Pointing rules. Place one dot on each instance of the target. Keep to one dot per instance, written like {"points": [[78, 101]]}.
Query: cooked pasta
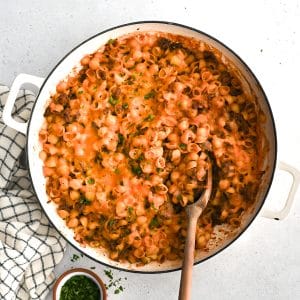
{"points": [[126, 140]]}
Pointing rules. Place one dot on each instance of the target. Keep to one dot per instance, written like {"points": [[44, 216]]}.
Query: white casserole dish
{"points": [[64, 67]]}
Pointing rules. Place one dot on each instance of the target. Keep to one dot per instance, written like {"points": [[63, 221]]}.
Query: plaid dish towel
{"points": [[29, 247]]}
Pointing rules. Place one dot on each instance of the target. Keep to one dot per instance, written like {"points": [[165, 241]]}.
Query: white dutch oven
{"points": [[64, 67]]}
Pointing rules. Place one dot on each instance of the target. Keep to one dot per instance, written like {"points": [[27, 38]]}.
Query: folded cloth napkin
{"points": [[29, 246]]}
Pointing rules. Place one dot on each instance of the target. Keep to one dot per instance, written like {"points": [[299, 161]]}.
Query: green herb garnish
{"points": [[154, 223], [113, 101], [114, 282], [118, 290], [125, 232], [111, 41], [131, 215], [80, 92], [117, 171], [183, 146], [74, 258], [125, 105], [179, 197], [121, 139], [111, 223], [152, 206], [109, 274], [84, 201], [91, 181], [80, 287], [136, 169], [149, 118], [140, 158], [149, 95], [130, 82]]}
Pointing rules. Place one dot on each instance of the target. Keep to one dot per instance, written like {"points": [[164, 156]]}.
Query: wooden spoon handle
{"points": [[188, 260]]}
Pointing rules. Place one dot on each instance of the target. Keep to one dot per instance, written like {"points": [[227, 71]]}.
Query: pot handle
{"points": [[279, 215], [12, 96]]}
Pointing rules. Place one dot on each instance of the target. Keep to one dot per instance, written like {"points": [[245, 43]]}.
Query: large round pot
{"points": [[64, 67]]}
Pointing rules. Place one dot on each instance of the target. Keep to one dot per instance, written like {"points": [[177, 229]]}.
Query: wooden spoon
{"points": [[193, 212]]}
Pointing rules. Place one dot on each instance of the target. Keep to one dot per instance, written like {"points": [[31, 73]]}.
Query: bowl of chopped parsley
{"points": [[79, 284]]}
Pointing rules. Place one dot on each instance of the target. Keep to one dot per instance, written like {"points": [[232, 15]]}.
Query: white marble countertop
{"points": [[264, 263]]}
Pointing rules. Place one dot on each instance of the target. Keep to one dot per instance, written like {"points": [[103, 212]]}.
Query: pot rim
{"points": [[251, 219]]}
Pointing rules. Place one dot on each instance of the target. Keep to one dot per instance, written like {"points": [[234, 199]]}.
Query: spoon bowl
{"points": [[194, 211]]}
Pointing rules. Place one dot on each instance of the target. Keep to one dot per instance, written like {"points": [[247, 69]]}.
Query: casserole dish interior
{"points": [[223, 235]]}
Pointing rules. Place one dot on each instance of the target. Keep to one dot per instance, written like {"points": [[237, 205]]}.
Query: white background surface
{"points": [[264, 263]]}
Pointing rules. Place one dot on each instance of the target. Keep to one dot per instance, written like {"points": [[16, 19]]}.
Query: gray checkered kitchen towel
{"points": [[29, 247]]}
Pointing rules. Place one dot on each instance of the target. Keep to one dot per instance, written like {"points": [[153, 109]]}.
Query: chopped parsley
{"points": [[183, 146], [113, 101], [84, 201], [125, 232], [131, 216], [80, 287], [115, 283], [117, 171], [80, 92], [136, 169], [125, 105], [150, 117], [75, 257], [140, 158], [153, 207], [150, 95], [91, 181], [118, 290], [109, 274], [111, 223], [111, 41], [179, 197], [154, 223], [121, 139], [130, 82]]}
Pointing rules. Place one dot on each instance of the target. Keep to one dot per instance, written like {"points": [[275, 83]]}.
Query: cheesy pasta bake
{"points": [[126, 141]]}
